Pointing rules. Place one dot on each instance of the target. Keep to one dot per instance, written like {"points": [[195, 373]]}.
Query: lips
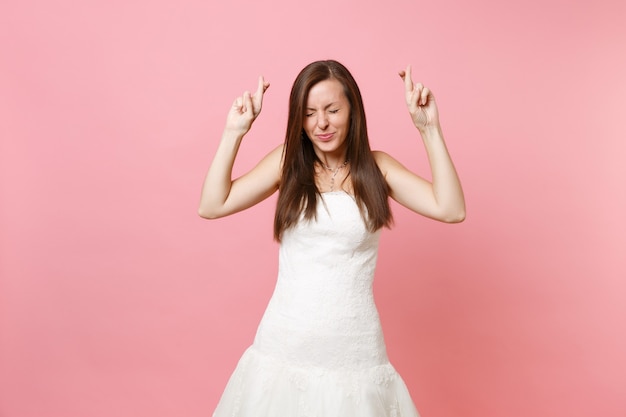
{"points": [[325, 137]]}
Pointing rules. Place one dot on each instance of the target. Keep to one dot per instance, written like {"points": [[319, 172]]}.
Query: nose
{"points": [[322, 121]]}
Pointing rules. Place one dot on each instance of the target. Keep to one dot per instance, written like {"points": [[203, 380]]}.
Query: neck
{"points": [[333, 162], [337, 167]]}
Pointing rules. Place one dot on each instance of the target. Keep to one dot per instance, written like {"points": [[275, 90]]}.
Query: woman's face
{"points": [[327, 118]]}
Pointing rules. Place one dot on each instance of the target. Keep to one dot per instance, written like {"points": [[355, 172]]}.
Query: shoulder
{"points": [[384, 161], [380, 156], [269, 167], [274, 159], [277, 153]]}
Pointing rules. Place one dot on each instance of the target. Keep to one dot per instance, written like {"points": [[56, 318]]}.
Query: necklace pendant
{"points": [[334, 173]]}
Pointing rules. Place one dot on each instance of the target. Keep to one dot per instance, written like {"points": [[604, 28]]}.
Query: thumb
{"points": [[247, 102]]}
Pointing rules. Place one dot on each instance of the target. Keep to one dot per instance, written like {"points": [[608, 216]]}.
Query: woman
{"points": [[319, 349]]}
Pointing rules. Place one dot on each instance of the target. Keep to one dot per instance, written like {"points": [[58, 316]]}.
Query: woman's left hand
{"points": [[420, 102]]}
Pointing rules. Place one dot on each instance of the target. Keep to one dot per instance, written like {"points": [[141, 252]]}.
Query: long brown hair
{"points": [[298, 192]]}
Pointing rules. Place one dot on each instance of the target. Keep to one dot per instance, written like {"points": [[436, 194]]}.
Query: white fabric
{"points": [[319, 349]]}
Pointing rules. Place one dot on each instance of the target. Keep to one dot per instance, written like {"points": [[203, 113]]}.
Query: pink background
{"points": [[116, 299]]}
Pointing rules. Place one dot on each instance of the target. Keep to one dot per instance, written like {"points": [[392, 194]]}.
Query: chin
{"points": [[328, 147]]}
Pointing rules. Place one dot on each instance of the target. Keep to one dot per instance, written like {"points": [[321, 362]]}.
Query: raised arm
{"points": [[442, 199], [221, 195]]}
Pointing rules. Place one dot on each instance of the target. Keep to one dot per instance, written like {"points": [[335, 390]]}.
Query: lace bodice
{"points": [[322, 312]]}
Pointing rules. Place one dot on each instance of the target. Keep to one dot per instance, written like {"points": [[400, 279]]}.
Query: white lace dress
{"points": [[319, 349]]}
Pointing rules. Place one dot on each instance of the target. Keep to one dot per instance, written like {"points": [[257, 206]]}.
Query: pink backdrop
{"points": [[116, 299]]}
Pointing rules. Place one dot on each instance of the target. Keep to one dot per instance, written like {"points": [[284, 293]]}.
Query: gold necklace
{"points": [[334, 173]]}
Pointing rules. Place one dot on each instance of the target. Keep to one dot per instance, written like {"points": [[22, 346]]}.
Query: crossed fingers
{"points": [[252, 102], [416, 94]]}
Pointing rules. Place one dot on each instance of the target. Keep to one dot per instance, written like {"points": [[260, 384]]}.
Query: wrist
{"points": [[430, 131], [233, 134]]}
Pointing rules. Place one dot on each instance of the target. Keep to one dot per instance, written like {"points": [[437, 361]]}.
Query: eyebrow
{"points": [[329, 105]]}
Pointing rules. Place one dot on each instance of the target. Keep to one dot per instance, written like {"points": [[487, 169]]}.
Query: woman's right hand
{"points": [[245, 109]]}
